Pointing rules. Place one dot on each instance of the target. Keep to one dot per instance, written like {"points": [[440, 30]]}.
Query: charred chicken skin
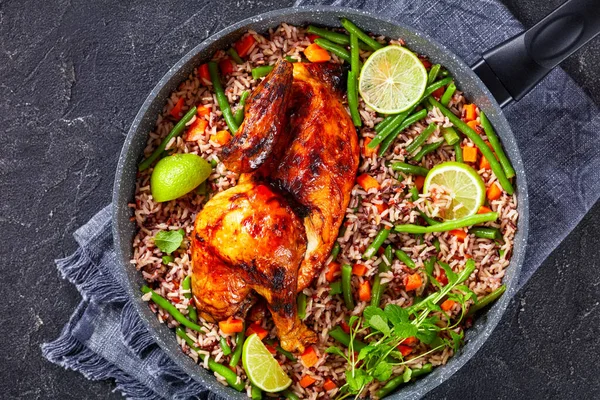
{"points": [[271, 234]]}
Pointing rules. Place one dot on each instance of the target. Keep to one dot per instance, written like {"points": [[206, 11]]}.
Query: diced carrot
{"points": [[413, 282], [345, 327], [221, 137], [442, 278], [315, 53], [226, 66], [271, 349], [231, 325], [359, 269], [419, 182], [494, 192], [474, 125], [405, 350], [448, 304], [368, 152], [381, 208], [367, 182], [470, 112], [329, 385], [459, 234], [333, 270], [203, 110], [204, 74], [484, 163], [469, 154], [426, 62], [312, 37], [309, 357], [176, 110], [244, 45], [306, 381], [196, 130], [410, 341], [233, 369], [484, 210], [364, 291], [439, 92], [468, 256], [259, 330]]}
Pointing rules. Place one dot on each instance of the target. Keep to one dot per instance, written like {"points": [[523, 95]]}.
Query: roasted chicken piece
{"points": [[246, 239], [272, 233]]}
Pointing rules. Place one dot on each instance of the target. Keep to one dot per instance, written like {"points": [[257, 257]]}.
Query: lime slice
{"points": [[464, 184], [392, 80], [176, 175], [262, 369]]}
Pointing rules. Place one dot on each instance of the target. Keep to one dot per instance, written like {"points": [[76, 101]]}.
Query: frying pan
{"points": [[504, 74]]}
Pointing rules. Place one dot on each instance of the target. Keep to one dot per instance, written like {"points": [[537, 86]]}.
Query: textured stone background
{"points": [[73, 75]]}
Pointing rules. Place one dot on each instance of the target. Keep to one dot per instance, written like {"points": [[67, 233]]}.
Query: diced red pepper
{"points": [[244, 45], [204, 74], [226, 66], [312, 37]]}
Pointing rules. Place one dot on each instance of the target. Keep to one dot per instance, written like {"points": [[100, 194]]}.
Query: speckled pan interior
{"points": [[131, 154]]}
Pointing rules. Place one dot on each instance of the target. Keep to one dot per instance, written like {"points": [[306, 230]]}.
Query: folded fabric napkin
{"points": [[556, 126]]}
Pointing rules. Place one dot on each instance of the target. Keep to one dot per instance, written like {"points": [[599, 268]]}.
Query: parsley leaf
{"points": [[370, 311], [396, 314], [380, 324], [335, 350], [404, 330], [383, 371], [169, 241]]}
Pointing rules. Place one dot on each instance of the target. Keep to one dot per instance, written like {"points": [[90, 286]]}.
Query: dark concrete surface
{"points": [[73, 75]]}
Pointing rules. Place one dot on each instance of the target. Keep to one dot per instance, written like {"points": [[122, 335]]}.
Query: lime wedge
{"points": [[176, 175], [392, 80], [464, 184], [262, 369]]}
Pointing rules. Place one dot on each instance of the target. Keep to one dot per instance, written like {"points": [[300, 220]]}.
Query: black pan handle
{"points": [[511, 69]]}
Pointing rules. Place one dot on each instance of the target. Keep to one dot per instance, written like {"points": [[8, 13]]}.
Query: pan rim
{"points": [[415, 390]]}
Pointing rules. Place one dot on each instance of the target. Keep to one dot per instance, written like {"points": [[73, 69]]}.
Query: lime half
{"points": [[392, 80], [176, 175], [262, 369], [464, 184]]}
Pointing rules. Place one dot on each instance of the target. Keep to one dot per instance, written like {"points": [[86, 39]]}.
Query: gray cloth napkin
{"points": [[556, 126]]}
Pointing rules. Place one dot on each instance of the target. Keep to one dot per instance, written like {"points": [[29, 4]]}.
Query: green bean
{"points": [[426, 149], [409, 169], [478, 141], [301, 304], [231, 377], [394, 383], [436, 244], [428, 219], [501, 253], [382, 235], [384, 123], [334, 37], [290, 59], [486, 300], [237, 353], [176, 131], [288, 394], [433, 73], [458, 152], [394, 122], [239, 114], [378, 287], [286, 353], [422, 138], [389, 254], [430, 265], [171, 309], [255, 393], [335, 288], [352, 94], [347, 286], [213, 163], [261, 71], [444, 73], [351, 28], [221, 97], [414, 193], [235, 56], [169, 258], [338, 334], [224, 346], [335, 251], [405, 124], [187, 285], [448, 225], [448, 93], [405, 258], [334, 48], [354, 54], [486, 233], [450, 135], [495, 142]]}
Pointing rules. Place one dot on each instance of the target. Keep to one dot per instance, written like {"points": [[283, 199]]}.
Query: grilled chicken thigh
{"points": [[271, 234]]}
